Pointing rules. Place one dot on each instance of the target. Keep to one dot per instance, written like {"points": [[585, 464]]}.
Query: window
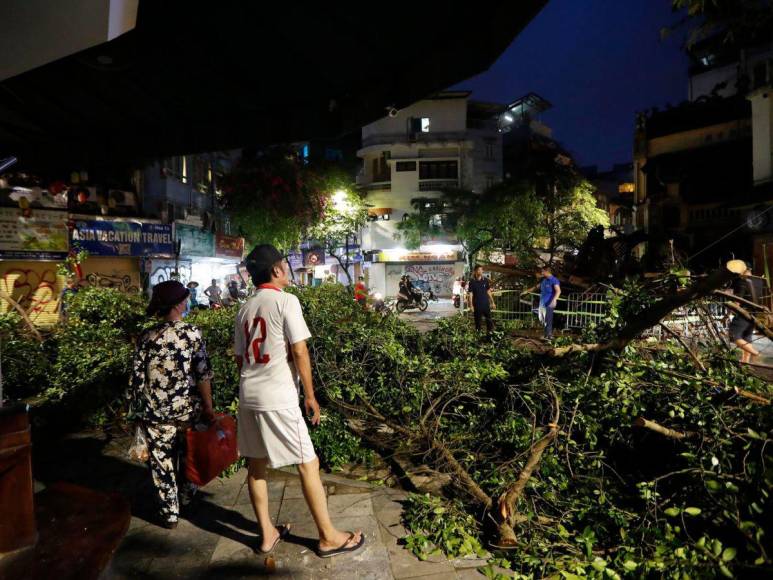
{"points": [[489, 148], [405, 166], [184, 172], [419, 125], [438, 170]]}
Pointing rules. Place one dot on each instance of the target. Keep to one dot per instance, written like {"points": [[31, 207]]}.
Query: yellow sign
{"points": [[409, 256]]}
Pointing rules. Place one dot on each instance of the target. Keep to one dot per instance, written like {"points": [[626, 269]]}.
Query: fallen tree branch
{"points": [[643, 423], [652, 315], [23, 313], [740, 300], [509, 499], [449, 462], [693, 356]]}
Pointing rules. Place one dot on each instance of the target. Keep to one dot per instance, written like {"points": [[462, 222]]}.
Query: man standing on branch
{"points": [[741, 330], [481, 299], [271, 353]]}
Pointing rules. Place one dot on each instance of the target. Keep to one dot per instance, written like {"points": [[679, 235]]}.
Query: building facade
{"points": [[703, 169], [445, 142]]}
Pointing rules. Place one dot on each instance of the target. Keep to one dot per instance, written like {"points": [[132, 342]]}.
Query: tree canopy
{"points": [[548, 209]]}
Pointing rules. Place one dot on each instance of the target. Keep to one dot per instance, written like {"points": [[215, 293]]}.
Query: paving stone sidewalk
{"points": [[217, 540]]}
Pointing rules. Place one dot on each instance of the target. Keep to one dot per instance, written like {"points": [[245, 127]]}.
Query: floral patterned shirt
{"points": [[170, 360]]}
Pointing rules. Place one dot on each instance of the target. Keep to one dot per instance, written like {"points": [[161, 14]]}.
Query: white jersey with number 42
{"points": [[266, 325]]}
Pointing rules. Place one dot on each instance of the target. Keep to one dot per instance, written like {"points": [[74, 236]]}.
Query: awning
{"points": [[205, 76]]}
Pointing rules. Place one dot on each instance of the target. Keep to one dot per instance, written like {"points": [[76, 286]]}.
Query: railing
{"points": [[419, 137], [577, 309], [437, 184]]}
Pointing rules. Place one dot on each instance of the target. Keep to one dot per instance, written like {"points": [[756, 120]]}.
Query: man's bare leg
{"points": [[258, 487], [314, 492], [748, 352]]}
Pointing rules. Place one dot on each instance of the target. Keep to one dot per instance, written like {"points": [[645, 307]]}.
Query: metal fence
{"points": [[576, 310], [579, 310]]}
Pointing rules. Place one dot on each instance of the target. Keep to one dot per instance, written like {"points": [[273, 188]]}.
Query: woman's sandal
{"points": [[284, 531], [342, 549]]}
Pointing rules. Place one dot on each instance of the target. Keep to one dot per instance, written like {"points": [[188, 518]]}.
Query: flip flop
{"points": [[284, 531], [342, 549]]}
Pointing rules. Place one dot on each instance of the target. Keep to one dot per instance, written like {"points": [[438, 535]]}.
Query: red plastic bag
{"points": [[210, 451]]}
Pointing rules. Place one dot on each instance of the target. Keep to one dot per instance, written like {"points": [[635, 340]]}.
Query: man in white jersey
{"points": [[270, 348]]}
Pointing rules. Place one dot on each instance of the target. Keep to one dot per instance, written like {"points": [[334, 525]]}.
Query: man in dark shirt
{"points": [[741, 330], [481, 298]]}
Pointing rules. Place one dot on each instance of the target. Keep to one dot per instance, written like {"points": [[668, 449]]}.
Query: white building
{"points": [[447, 141]]}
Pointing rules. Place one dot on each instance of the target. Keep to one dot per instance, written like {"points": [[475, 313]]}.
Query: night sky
{"points": [[597, 62]]}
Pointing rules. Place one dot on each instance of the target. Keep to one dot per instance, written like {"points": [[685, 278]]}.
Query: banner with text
{"points": [[122, 238], [41, 235]]}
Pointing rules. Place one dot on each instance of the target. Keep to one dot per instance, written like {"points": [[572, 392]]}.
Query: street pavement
{"points": [[428, 320], [218, 540]]}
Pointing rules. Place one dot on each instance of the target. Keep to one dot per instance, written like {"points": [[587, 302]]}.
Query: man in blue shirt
{"points": [[549, 291]]}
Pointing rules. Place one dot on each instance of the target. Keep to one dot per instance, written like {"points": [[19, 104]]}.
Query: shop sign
{"points": [[229, 246], [408, 256], [195, 241], [41, 235], [313, 258], [122, 238]]}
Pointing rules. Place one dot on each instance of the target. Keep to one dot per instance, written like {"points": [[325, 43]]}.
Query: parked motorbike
{"points": [[380, 305], [426, 288], [418, 300]]}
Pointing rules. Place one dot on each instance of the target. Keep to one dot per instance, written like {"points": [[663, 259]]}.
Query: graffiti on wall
{"points": [[164, 270], [119, 273], [122, 282], [439, 276], [36, 287]]}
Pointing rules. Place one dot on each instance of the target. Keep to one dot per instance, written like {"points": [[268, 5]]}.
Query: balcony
{"points": [[429, 137], [377, 186], [437, 184]]}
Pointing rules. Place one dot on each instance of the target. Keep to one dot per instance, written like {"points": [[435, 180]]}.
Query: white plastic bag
{"points": [[139, 448]]}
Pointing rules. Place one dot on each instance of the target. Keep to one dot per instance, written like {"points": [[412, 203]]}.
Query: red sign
{"points": [[229, 246]]}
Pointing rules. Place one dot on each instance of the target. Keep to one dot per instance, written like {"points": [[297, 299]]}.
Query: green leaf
{"points": [[725, 571], [728, 554], [716, 547], [693, 511], [630, 565], [672, 512], [713, 485]]}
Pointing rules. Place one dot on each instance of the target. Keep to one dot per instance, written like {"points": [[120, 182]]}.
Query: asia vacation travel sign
{"points": [[42, 235], [195, 241], [122, 238]]}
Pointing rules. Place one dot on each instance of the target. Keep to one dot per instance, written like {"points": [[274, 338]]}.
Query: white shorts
{"points": [[280, 436]]}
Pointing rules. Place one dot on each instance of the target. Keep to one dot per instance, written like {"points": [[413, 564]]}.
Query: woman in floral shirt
{"points": [[170, 389]]}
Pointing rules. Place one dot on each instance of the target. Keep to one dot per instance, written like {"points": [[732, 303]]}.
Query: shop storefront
{"points": [[438, 268], [118, 250], [33, 244]]}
